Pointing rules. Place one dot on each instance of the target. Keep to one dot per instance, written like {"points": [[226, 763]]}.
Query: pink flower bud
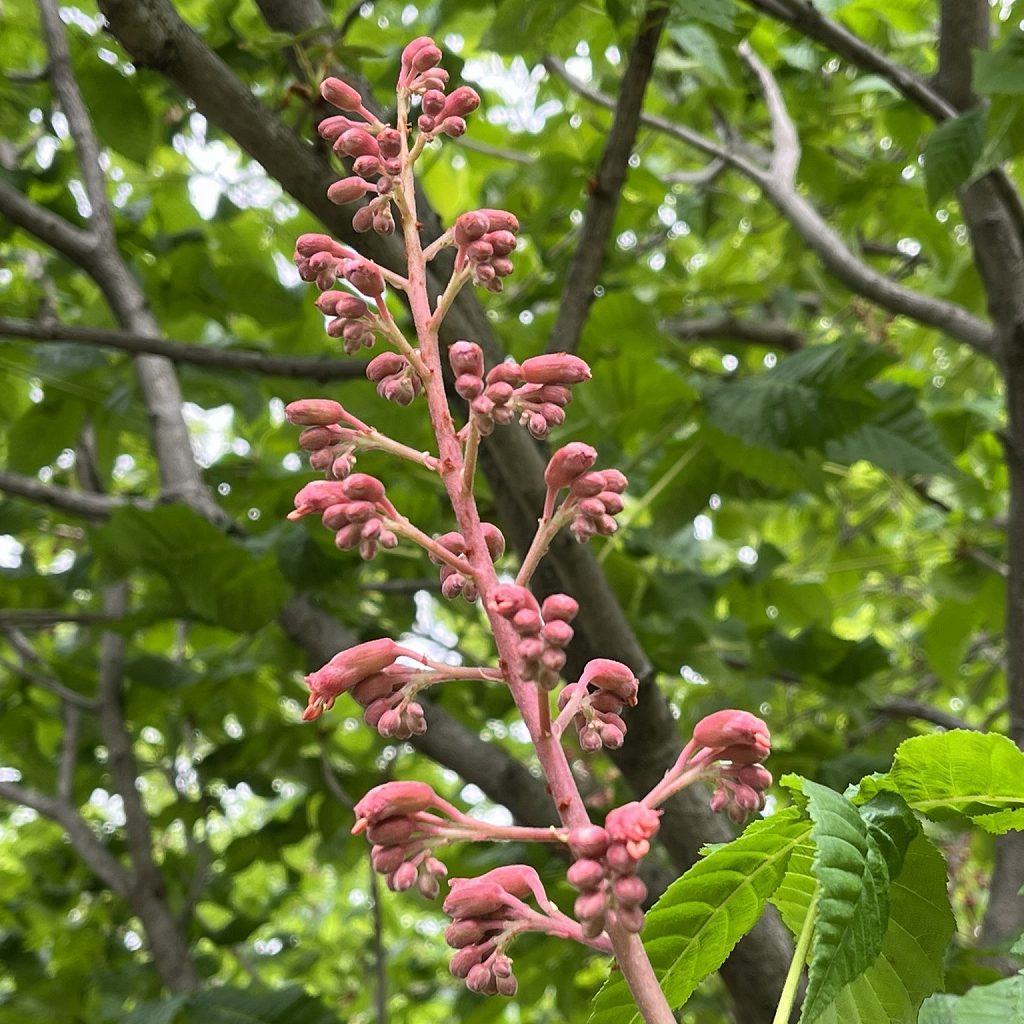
{"points": [[348, 190], [557, 633], [363, 275], [585, 874], [629, 890], [506, 986], [614, 481], [633, 824], [754, 775], [466, 959], [494, 539], [432, 102], [527, 621], [315, 497], [344, 670], [404, 877], [312, 439], [466, 357], [390, 831], [613, 677], [501, 220], [310, 244], [590, 905], [559, 606], [386, 859], [468, 386], [341, 304], [555, 368], [404, 797], [507, 372], [387, 364], [425, 57], [453, 127], [568, 463], [588, 485], [612, 734], [734, 729], [507, 599], [389, 142], [357, 142], [719, 799], [470, 226], [472, 897], [588, 841], [631, 918], [461, 102], [314, 412], [340, 94], [362, 487], [332, 128]]}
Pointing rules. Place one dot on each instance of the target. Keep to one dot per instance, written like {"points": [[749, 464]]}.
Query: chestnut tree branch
{"points": [[606, 186], [772, 332], [45, 331], [820, 237]]}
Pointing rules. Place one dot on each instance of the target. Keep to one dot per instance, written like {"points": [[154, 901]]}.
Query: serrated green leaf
{"points": [[702, 915], [958, 776], [853, 897], [951, 152], [714, 12]]}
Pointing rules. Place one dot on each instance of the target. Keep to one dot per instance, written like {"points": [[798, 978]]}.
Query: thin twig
{"points": [[46, 331]]}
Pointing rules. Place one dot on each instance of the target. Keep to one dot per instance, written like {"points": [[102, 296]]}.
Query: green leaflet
{"points": [[955, 776], [235, 1006], [951, 153], [909, 965], [702, 915], [998, 1003], [852, 873]]}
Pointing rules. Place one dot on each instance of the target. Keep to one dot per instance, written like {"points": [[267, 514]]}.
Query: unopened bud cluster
{"points": [[595, 496], [534, 393], [353, 509], [544, 631], [331, 447], [455, 583], [392, 815], [486, 240], [605, 868], [323, 261], [395, 378], [599, 720], [486, 913], [739, 742]]}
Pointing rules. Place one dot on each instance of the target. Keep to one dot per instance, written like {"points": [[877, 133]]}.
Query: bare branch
{"points": [[82, 503], [45, 681], [69, 754], [96, 857], [696, 179], [605, 187], [69, 96], [806, 18], [829, 246], [184, 352], [61, 235], [772, 332], [785, 158], [43, 618], [901, 707]]}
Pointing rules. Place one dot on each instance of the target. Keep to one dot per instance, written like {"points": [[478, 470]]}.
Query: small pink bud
{"points": [[363, 275], [390, 831], [631, 918], [340, 94], [404, 796], [633, 824], [362, 487], [754, 775], [614, 481], [568, 463], [501, 220], [555, 368], [719, 800], [404, 877], [585, 874], [466, 959], [613, 676], [387, 364], [590, 905], [466, 357], [734, 729], [453, 127], [468, 386], [314, 412], [557, 633], [559, 606], [310, 244], [527, 621], [507, 599], [474, 898], [312, 439], [348, 190], [470, 226], [588, 485], [507, 372], [461, 102], [629, 890], [494, 539], [389, 141], [480, 979], [432, 102], [357, 142], [315, 497], [588, 840], [386, 859]]}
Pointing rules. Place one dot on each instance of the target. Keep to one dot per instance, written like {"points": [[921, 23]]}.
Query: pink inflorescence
{"points": [[735, 743], [544, 631], [396, 821], [486, 240], [536, 392], [604, 871], [353, 508], [487, 913], [453, 582], [604, 688]]}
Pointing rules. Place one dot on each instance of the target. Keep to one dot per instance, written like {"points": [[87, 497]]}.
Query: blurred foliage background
{"points": [[815, 527]]}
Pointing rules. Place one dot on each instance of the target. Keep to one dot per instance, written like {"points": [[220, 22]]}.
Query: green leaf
{"points": [[700, 44], [1001, 71], [998, 1003], [216, 579], [951, 152], [812, 396], [899, 438], [957, 776], [702, 915], [714, 12], [119, 113], [853, 897], [910, 964]]}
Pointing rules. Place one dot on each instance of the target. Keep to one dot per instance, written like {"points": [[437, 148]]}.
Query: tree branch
{"points": [[42, 618], [82, 503], [606, 186], [772, 332], [831, 249], [184, 352], [56, 232], [96, 857]]}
